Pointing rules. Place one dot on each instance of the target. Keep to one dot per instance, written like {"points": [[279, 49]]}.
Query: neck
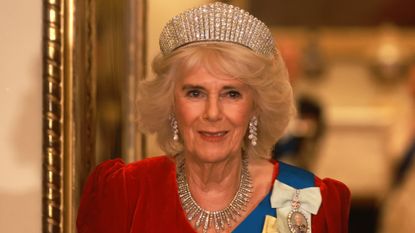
{"points": [[211, 176], [213, 185]]}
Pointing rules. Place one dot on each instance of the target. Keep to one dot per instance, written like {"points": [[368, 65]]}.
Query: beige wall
{"points": [[20, 118], [367, 121]]}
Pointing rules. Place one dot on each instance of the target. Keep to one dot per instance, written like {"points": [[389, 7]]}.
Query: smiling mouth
{"points": [[213, 136]]}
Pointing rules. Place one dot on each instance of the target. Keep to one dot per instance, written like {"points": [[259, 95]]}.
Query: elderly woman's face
{"points": [[213, 113]]}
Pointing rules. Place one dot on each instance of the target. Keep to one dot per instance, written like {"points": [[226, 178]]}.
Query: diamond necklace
{"points": [[219, 218]]}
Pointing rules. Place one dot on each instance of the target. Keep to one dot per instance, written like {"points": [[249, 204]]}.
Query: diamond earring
{"points": [[252, 136], [175, 127]]}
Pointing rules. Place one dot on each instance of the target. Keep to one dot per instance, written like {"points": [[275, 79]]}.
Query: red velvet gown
{"points": [[142, 197]]}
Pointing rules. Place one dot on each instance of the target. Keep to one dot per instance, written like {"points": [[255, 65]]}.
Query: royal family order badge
{"points": [[297, 221], [294, 207]]}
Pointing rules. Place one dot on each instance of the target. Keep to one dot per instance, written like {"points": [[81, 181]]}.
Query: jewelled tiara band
{"points": [[217, 22]]}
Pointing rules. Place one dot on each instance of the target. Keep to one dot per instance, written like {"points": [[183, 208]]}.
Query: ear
{"points": [[255, 111]]}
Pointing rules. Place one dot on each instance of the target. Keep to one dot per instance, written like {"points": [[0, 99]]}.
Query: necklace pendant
{"points": [[297, 221]]}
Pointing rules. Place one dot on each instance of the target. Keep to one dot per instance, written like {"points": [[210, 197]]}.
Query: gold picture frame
{"points": [[73, 33]]}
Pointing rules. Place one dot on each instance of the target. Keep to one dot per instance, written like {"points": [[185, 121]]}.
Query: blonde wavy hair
{"points": [[267, 76]]}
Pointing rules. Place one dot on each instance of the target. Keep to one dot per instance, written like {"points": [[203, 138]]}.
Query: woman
{"points": [[220, 100]]}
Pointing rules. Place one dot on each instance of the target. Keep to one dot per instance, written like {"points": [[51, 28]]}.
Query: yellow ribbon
{"points": [[270, 225]]}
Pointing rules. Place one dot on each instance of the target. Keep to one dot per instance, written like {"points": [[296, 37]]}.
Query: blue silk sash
{"points": [[290, 175]]}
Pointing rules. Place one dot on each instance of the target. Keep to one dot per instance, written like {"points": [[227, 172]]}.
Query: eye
{"points": [[233, 94], [194, 93]]}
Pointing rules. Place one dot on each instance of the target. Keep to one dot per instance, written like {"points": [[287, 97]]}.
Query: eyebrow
{"points": [[190, 86]]}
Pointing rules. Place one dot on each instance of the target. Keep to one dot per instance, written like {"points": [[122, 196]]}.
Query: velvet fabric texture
{"points": [[142, 197]]}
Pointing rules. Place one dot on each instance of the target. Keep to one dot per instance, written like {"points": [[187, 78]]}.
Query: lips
{"points": [[213, 136]]}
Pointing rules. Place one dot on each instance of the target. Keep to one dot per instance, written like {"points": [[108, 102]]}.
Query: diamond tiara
{"points": [[217, 22]]}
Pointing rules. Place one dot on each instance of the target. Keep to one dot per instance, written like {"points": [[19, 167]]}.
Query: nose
{"points": [[213, 111]]}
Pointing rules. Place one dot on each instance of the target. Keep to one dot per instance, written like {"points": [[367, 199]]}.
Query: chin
{"points": [[213, 156]]}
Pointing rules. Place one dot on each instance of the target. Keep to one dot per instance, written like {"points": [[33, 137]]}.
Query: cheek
{"points": [[186, 114], [240, 115], [240, 118]]}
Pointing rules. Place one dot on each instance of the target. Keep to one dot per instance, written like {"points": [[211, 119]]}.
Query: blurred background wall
{"points": [[20, 117]]}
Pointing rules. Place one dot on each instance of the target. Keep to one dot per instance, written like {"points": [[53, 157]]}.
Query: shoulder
{"points": [[294, 176], [335, 206], [332, 186], [117, 169], [336, 197], [333, 192], [116, 177], [111, 191], [333, 214], [158, 163], [301, 178]]}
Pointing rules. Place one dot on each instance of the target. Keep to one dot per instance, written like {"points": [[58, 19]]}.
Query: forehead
{"points": [[201, 76]]}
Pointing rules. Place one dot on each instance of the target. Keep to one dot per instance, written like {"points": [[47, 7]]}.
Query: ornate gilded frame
{"points": [[69, 101]]}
